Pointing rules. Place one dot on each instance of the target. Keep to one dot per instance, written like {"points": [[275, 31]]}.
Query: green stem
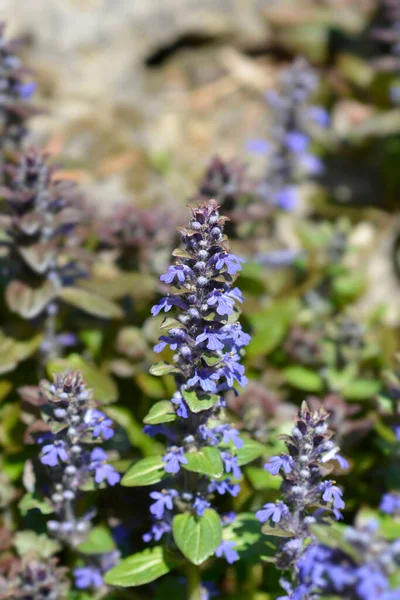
{"points": [[193, 582]]}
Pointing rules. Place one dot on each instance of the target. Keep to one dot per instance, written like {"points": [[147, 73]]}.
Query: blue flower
{"points": [[296, 141], [234, 335], [163, 501], [226, 549], [331, 493], [390, 504], [228, 518], [200, 504], [174, 458], [167, 303], [53, 452], [223, 302], [276, 511], [230, 261], [88, 577], [223, 487], [101, 424], [182, 410], [319, 115], [26, 90], [206, 378], [287, 198], [213, 339], [230, 434], [231, 464], [157, 531], [181, 272], [208, 434], [232, 370], [236, 294], [276, 463], [103, 471]]}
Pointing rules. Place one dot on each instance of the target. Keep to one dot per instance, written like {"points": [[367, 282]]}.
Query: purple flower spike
{"points": [[226, 549]]}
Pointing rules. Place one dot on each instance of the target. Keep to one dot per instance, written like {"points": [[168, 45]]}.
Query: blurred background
{"points": [[139, 95]]}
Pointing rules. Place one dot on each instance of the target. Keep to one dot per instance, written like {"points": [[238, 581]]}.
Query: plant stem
{"points": [[193, 582]]}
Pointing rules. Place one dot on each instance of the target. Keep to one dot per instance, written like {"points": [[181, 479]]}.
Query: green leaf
{"points": [[140, 568], [245, 530], [269, 529], [30, 502], [162, 368], [250, 450], [270, 327], [99, 540], [91, 303], [30, 542], [303, 379], [207, 461], [161, 412], [145, 472], [347, 288], [26, 301], [13, 352], [104, 387], [199, 403], [362, 389], [261, 479], [197, 537]]}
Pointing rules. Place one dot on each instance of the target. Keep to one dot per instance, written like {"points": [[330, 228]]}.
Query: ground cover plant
{"points": [[202, 400]]}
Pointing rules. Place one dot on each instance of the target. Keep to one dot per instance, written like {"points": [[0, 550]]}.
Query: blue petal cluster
{"points": [[15, 92], [361, 571], [307, 498], [73, 462], [208, 343], [290, 157]]}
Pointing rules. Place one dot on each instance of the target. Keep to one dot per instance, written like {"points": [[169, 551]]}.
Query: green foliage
{"points": [[161, 412], [270, 327], [250, 450], [198, 404], [140, 568], [146, 471], [303, 379], [98, 541], [91, 303], [206, 461], [197, 537]]}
